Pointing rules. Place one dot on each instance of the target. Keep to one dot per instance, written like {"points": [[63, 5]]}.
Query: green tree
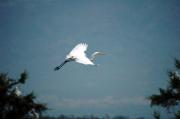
{"points": [[170, 96], [15, 105]]}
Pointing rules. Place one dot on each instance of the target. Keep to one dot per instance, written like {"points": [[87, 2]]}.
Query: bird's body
{"points": [[78, 55]]}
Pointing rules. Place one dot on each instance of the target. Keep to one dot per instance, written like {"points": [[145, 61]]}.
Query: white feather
{"points": [[78, 54], [78, 51]]}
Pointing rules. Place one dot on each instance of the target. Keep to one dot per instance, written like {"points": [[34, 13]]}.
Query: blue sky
{"points": [[140, 39]]}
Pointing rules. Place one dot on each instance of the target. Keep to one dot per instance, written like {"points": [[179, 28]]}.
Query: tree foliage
{"points": [[170, 96], [15, 105]]}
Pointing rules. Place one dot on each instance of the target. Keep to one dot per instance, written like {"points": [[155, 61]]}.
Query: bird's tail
{"points": [[62, 64]]}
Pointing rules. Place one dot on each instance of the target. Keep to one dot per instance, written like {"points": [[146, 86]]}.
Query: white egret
{"points": [[17, 92], [78, 55]]}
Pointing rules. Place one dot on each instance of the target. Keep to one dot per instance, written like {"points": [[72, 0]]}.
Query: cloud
{"points": [[107, 101]]}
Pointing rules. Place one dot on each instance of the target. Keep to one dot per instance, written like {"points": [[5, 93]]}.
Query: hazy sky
{"points": [[140, 39]]}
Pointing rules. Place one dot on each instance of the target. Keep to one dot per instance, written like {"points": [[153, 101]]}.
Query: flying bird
{"points": [[78, 55]]}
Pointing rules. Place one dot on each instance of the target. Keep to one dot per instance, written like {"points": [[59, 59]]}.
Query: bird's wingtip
{"points": [[84, 44]]}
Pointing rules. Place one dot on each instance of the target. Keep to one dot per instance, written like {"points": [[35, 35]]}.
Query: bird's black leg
{"points": [[58, 67]]}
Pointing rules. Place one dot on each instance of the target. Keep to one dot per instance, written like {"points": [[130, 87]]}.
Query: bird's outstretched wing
{"points": [[58, 67], [79, 50]]}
